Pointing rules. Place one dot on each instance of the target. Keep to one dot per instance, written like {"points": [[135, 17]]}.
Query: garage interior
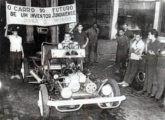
{"points": [[141, 15]]}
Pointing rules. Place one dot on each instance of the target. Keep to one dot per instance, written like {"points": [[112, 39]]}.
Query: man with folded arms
{"points": [[150, 83], [136, 50]]}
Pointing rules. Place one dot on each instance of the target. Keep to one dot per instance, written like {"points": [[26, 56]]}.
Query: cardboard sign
{"points": [[40, 16]]}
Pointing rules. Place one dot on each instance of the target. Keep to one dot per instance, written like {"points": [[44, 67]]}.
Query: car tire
{"points": [[116, 92], [138, 82], [25, 66], [44, 97], [115, 87]]}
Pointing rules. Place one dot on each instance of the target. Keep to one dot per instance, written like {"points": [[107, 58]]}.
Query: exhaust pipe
{"points": [[35, 76]]}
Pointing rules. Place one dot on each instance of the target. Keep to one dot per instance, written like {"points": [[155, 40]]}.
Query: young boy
{"points": [[80, 36], [67, 41]]}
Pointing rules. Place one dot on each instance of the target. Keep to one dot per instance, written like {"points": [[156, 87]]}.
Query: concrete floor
{"points": [[19, 102]]}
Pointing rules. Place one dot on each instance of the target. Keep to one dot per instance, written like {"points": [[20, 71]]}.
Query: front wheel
{"points": [[111, 90], [25, 70], [42, 102]]}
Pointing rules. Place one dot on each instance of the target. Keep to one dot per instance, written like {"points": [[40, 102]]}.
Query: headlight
{"points": [[55, 76], [106, 90], [66, 93]]}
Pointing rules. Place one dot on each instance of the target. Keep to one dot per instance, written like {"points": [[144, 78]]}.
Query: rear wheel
{"points": [[42, 102], [114, 91]]}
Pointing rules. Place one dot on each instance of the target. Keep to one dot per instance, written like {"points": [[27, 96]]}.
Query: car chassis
{"points": [[65, 85]]}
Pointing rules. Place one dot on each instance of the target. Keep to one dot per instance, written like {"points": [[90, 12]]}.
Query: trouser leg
{"points": [[155, 78], [152, 85], [86, 61], [149, 79], [119, 59], [149, 76], [146, 77], [18, 62], [150, 70], [92, 59], [12, 63], [161, 83], [131, 71], [123, 61], [92, 54], [155, 86], [95, 53], [128, 70], [88, 53]]}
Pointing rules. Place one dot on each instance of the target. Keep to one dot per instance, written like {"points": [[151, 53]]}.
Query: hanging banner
{"points": [[40, 16]]}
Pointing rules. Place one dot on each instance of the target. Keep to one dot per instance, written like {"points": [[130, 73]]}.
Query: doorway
{"points": [[139, 15]]}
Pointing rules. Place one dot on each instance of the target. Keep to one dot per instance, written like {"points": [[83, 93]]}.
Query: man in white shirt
{"points": [[16, 53], [136, 50]]}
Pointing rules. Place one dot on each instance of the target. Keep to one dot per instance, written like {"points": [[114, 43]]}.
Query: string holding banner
{"points": [[40, 16]]}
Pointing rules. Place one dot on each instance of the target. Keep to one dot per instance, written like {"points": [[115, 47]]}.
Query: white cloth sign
{"points": [[40, 16]]}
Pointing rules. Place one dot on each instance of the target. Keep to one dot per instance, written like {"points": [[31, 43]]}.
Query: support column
{"points": [[160, 15], [113, 19], [29, 29], [54, 29], [157, 14]]}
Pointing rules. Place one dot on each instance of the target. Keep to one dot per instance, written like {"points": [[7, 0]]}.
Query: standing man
{"points": [[70, 28], [160, 71], [16, 53], [150, 83], [128, 33], [136, 51], [122, 50], [80, 36], [92, 34]]}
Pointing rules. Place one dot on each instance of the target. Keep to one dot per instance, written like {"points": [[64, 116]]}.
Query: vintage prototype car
{"points": [[66, 86]]}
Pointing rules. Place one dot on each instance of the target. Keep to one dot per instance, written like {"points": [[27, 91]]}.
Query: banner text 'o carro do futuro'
{"points": [[40, 16]]}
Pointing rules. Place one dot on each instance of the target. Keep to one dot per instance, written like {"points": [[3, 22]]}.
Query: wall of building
{"points": [[107, 49], [99, 11], [141, 13]]}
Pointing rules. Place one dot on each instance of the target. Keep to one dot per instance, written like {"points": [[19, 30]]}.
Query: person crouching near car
{"points": [[136, 50], [16, 53]]}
